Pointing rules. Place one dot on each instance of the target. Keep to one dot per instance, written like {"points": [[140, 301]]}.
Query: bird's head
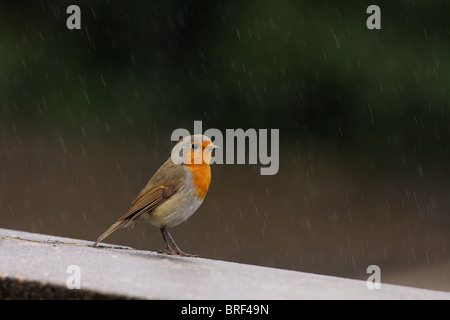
{"points": [[193, 150]]}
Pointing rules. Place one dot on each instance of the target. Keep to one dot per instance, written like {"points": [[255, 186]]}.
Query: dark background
{"points": [[364, 119]]}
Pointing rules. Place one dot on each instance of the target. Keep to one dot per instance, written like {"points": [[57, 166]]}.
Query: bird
{"points": [[174, 193]]}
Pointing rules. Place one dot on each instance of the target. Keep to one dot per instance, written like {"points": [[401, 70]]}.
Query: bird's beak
{"points": [[212, 146]]}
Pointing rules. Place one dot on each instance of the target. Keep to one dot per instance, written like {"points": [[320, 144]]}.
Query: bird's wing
{"points": [[149, 198], [163, 185]]}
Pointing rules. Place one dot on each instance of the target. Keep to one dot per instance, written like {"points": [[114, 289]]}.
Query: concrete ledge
{"points": [[33, 266]]}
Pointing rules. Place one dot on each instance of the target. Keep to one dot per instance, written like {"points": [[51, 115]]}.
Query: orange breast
{"points": [[201, 174]]}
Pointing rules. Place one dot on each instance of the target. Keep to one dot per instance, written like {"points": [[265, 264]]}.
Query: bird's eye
{"points": [[194, 146]]}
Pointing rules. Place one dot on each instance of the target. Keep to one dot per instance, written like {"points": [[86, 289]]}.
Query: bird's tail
{"points": [[113, 228]]}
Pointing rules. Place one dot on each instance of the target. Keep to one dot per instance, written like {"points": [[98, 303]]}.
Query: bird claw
{"points": [[181, 253], [176, 253]]}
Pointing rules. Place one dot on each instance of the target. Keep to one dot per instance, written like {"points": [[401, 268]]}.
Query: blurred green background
{"points": [[364, 119]]}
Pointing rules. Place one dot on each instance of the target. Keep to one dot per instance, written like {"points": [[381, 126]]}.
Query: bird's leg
{"points": [[172, 241], [177, 250], [166, 236], [168, 250]]}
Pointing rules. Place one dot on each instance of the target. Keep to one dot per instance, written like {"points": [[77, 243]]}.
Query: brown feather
{"points": [[160, 188]]}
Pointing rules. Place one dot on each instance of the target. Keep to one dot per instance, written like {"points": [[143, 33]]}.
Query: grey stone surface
{"points": [[121, 272]]}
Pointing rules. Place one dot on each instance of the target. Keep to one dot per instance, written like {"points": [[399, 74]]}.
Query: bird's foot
{"points": [[184, 254], [176, 253]]}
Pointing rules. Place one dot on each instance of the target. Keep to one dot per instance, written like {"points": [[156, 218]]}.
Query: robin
{"points": [[174, 193]]}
